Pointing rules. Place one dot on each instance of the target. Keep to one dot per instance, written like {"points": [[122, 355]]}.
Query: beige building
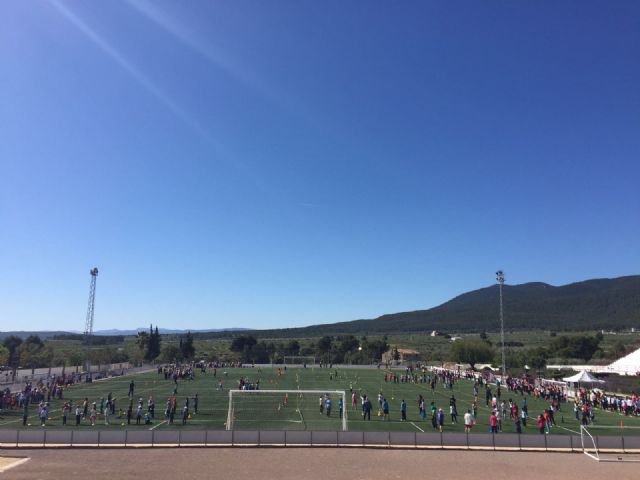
{"points": [[404, 354]]}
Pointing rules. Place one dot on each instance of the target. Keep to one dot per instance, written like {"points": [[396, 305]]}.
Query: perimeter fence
{"points": [[44, 438]]}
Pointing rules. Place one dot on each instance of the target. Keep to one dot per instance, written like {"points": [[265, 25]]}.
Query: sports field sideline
{"points": [[265, 413]]}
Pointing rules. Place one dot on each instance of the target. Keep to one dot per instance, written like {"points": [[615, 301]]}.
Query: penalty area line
{"points": [[156, 426], [417, 427]]}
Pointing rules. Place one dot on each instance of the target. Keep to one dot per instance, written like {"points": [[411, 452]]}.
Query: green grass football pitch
{"points": [[268, 412]]}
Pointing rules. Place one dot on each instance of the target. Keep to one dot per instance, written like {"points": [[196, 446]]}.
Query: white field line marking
{"points": [[156, 426], [12, 421], [417, 427], [14, 464], [569, 430]]}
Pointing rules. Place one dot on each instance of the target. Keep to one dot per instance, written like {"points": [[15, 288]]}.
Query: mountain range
{"points": [[608, 304]]}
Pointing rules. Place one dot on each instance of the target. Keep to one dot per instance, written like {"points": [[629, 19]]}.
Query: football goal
{"points": [[299, 360], [591, 446], [287, 410]]}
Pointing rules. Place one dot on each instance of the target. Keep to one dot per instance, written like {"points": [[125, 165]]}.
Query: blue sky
{"points": [[272, 164]]}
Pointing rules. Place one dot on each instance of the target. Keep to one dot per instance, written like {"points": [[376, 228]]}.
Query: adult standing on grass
{"points": [[151, 406], [139, 414], [517, 425], [78, 415], [385, 409], [434, 416], [328, 406], [129, 412], [403, 411], [93, 414], [172, 411], [366, 408], [468, 421], [440, 419], [340, 406], [453, 409], [131, 389], [65, 412], [185, 415], [43, 415]]}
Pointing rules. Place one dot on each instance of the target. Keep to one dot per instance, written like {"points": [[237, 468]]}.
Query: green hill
{"points": [[589, 305]]}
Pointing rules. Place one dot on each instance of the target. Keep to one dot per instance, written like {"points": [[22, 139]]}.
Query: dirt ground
{"points": [[305, 463]]}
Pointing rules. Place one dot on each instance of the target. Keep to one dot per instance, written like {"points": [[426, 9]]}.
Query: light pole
{"points": [[500, 279]]}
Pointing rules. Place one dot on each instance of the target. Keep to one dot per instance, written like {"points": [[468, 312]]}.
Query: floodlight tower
{"points": [[88, 329], [500, 279]]}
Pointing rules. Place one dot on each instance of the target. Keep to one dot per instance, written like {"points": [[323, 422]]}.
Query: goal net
{"points": [[287, 410], [299, 360]]}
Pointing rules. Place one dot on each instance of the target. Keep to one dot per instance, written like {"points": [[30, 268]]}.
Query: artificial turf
{"points": [[262, 412]]}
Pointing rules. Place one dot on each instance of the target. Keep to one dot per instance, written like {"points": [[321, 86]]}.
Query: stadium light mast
{"points": [[500, 280], [88, 329]]}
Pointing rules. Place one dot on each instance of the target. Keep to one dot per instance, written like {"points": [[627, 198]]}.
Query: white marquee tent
{"points": [[582, 377], [627, 365]]}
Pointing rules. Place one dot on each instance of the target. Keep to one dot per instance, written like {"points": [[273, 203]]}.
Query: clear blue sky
{"points": [[272, 164]]}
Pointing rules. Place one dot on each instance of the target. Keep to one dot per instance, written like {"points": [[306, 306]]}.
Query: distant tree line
{"points": [[95, 339], [328, 349], [473, 351]]}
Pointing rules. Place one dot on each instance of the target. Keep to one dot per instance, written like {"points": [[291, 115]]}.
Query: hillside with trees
{"points": [[608, 304]]}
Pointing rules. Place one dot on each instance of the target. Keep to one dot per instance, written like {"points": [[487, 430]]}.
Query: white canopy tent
{"points": [[582, 377], [627, 365]]}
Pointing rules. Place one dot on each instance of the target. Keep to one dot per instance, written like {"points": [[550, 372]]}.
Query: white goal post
{"points": [[299, 360], [261, 406], [590, 446]]}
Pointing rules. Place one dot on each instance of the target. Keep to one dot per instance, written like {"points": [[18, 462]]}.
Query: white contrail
{"points": [[140, 77]]}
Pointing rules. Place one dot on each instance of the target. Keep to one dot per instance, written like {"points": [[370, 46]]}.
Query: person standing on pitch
{"points": [[185, 414], [468, 421], [131, 388], [366, 408], [385, 409], [440, 419], [403, 410]]}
